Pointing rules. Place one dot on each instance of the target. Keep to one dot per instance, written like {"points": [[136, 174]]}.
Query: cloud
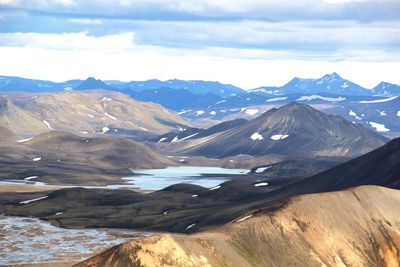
{"points": [[284, 10], [147, 64], [86, 21], [118, 56], [69, 41], [229, 40], [127, 42], [8, 2]]}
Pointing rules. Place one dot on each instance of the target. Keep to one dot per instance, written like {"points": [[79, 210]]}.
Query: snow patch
{"points": [[190, 226], [262, 169], [313, 97], [188, 137], [277, 137], [176, 139], [104, 130], [256, 136], [105, 99], [195, 195], [25, 140], [110, 116], [183, 112], [261, 184], [199, 112], [30, 177], [47, 124], [378, 101], [398, 113], [37, 159], [353, 114], [345, 85], [276, 99], [180, 128], [219, 102], [379, 127], [244, 218], [215, 188], [213, 113], [162, 139], [33, 200], [251, 112]]}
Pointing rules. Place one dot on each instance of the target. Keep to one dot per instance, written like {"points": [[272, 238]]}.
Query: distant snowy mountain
{"points": [[386, 89], [15, 84], [193, 86], [92, 83], [294, 129], [329, 83]]}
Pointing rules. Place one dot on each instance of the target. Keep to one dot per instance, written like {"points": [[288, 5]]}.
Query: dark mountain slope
{"points": [[176, 209], [64, 158], [91, 83], [194, 133], [295, 130]]}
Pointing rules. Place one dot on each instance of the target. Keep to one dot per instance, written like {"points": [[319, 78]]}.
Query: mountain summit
{"points": [[329, 83], [294, 129], [92, 83]]}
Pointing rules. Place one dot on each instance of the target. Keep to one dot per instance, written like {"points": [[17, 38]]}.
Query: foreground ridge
{"points": [[345, 228]]}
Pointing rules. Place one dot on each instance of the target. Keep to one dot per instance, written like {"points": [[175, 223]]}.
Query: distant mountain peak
{"points": [[333, 75], [93, 83], [386, 89], [329, 78]]}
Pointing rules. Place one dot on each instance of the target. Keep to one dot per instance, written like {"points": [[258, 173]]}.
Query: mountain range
{"points": [[329, 83], [207, 103], [292, 130], [203, 208], [88, 112], [321, 190]]}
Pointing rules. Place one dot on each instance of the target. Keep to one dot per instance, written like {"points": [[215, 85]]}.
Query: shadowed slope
{"points": [[292, 130]]}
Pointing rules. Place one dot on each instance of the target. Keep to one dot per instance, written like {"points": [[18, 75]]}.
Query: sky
{"points": [[248, 43]]}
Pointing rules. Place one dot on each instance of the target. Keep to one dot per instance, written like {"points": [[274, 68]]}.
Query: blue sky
{"points": [[247, 43]]}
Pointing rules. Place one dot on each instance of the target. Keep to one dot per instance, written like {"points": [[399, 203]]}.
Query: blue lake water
{"points": [[156, 179]]}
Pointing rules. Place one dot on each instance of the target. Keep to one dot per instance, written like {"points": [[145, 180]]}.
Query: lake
{"points": [[156, 179]]}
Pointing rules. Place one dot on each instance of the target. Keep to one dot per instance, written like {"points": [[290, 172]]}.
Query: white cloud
{"points": [[86, 21], [282, 10], [343, 1], [77, 55], [65, 2], [69, 41], [9, 2]]}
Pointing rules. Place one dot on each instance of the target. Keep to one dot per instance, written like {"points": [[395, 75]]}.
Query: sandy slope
{"points": [[86, 112], [357, 227]]}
